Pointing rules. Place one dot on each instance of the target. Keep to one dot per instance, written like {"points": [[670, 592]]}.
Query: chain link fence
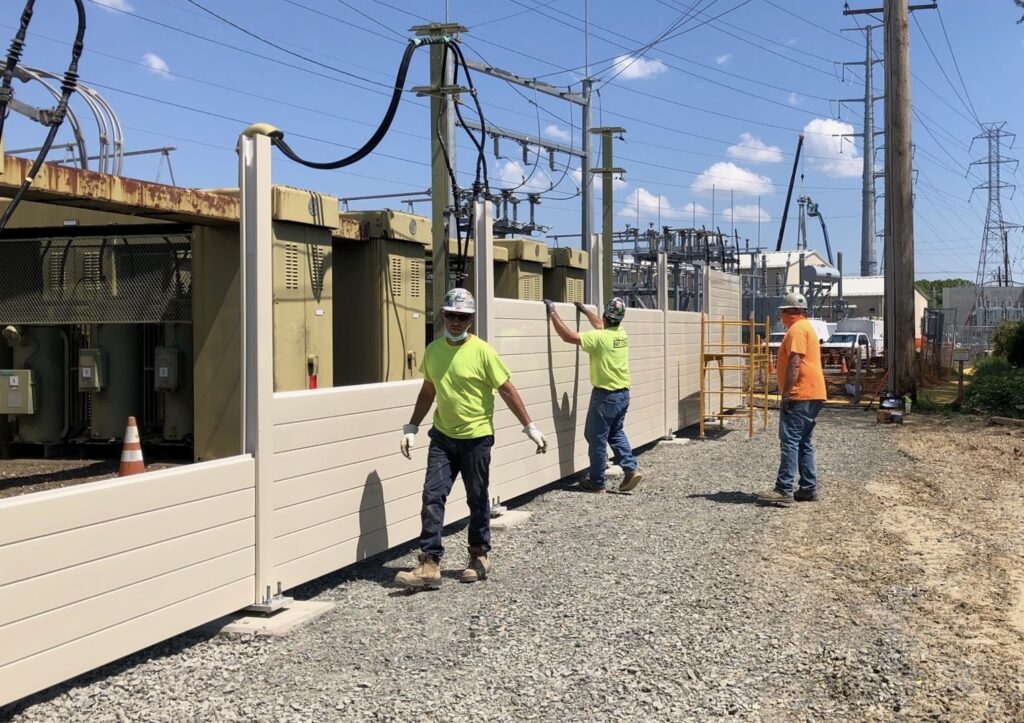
{"points": [[96, 279]]}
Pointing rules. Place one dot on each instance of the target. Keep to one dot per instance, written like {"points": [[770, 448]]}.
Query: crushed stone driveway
{"points": [[897, 597]]}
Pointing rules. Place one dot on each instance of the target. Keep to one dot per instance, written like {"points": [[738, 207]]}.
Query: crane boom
{"points": [[789, 193]]}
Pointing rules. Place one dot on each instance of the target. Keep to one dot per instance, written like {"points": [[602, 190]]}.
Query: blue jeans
{"points": [[446, 459], [795, 428], [605, 418]]}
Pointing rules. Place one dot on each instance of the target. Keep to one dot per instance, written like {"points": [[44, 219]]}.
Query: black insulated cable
{"points": [[68, 86], [13, 56], [277, 138]]}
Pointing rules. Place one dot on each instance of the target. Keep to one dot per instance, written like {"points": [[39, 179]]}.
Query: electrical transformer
{"points": [[564, 274], [523, 276], [499, 255], [380, 320]]}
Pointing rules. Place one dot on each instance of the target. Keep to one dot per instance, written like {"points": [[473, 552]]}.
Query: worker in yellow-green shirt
{"points": [[608, 348], [461, 371]]}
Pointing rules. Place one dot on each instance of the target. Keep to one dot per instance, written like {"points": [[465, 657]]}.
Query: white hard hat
{"points": [[459, 300], [794, 300]]}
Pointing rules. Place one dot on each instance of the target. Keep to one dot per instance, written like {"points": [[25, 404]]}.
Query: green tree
{"points": [[933, 289]]}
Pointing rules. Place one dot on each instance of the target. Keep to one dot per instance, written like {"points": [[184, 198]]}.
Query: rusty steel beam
{"points": [[103, 192]]}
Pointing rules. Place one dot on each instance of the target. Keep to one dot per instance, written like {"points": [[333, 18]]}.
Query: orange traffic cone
{"points": [[844, 368], [131, 452]]}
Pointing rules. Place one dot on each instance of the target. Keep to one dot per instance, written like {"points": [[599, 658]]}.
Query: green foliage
{"points": [[926, 405], [996, 387], [1008, 341], [933, 288]]}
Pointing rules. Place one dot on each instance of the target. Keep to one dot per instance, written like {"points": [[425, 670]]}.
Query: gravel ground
{"points": [[22, 476], [898, 597]]}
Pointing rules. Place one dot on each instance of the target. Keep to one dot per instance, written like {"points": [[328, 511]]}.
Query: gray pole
{"points": [[868, 262], [591, 290], [899, 203]]}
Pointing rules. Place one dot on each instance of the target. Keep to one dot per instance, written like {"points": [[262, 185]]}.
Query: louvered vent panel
{"points": [[91, 272], [575, 290], [415, 278], [291, 266], [396, 275]]}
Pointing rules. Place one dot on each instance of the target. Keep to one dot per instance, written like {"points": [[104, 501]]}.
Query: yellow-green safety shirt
{"points": [[465, 377], [609, 357]]}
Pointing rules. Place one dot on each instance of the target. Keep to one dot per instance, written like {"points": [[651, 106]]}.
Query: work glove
{"points": [[408, 439], [580, 307], [550, 306], [531, 431]]}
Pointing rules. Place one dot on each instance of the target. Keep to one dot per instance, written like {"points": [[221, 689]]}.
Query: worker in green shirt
{"points": [[608, 347], [461, 371]]}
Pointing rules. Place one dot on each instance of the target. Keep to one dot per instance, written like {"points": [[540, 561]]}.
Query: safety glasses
{"points": [[455, 316]]}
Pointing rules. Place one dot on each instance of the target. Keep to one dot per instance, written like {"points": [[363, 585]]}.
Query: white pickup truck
{"points": [[847, 341]]}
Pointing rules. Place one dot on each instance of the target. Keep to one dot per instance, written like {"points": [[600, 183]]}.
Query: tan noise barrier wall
{"points": [[92, 573]]}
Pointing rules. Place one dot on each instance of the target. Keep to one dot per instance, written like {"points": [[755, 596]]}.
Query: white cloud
{"points": [[557, 133], [828, 152], [115, 5], [725, 176], [794, 99], [745, 212], [631, 67], [510, 173], [156, 64], [723, 59], [753, 149], [652, 207]]}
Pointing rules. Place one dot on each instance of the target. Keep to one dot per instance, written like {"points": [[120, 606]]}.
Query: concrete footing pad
{"points": [[282, 622], [614, 471], [673, 442], [509, 519]]}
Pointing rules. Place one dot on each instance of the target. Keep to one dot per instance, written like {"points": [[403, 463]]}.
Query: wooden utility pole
{"points": [[899, 203], [443, 96], [608, 172], [900, 325]]}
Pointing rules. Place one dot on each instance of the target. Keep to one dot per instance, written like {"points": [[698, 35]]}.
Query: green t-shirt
{"points": [[465, 377], [609, 357]]}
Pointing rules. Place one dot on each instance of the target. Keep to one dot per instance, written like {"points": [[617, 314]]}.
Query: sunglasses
{"points": [[456, 316]]}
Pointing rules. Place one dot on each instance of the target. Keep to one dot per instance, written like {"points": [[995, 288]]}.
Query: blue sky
{"points": [[721, 104]]}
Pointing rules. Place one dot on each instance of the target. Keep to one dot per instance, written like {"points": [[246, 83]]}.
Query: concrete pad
{"points": [[673, 442], [614, 470], [280, 623], [509, 519]]}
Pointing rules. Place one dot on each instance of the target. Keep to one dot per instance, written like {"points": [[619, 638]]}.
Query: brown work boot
{"points": [[427, 573], [479, 566], [630, 481]]}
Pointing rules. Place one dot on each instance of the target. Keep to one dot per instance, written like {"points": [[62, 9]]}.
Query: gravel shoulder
{"points": [[899, 597]]}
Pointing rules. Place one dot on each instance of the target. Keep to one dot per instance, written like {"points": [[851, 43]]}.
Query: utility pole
{"points": [[608, 172], [900, 325], [994, 261], [443, 96], [592, 288], [868, 260]]}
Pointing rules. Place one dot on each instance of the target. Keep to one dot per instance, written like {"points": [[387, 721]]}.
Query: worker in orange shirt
{"points": [[802, 383]]}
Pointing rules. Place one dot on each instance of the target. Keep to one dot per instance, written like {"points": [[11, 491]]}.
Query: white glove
{"points": [[408, 439], [531, 431]]}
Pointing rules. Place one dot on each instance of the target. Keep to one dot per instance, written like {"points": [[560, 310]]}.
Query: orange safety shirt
{"points": [[803, 339]]}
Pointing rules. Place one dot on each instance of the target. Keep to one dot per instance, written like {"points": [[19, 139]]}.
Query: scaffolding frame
{"points": [[750, 357]]}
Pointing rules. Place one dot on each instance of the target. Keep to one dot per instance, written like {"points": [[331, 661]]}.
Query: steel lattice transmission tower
{"points": [[994, 261]]}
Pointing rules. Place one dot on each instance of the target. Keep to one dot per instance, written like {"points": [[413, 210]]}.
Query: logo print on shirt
{"points": [[620, 343]]}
